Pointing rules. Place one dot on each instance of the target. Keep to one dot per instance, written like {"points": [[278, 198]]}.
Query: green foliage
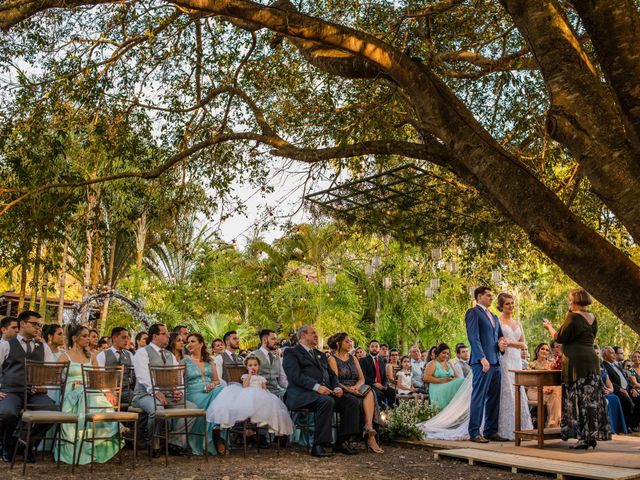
{"points": [[402, 420]]}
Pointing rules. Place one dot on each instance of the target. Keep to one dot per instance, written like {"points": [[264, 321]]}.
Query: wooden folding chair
{"points": [[52, 376], [100, 384], [170, 380]]}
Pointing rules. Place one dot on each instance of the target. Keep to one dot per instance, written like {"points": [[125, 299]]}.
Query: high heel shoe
{"points": [[370, 433], [592, 444]]}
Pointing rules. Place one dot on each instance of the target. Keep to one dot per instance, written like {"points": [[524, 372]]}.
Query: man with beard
{"points": [[229, 357], [271, 363]]}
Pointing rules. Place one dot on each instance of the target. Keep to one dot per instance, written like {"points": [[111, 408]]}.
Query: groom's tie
{"points": [[493, 322]]}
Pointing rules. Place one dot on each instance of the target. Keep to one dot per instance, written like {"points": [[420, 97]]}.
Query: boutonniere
{"points": [[37, 344], [318, 357]]}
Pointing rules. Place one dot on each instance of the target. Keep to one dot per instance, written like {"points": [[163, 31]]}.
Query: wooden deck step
{"points": [[562, 469]]}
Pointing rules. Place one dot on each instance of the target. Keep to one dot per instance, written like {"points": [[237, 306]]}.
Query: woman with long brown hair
{"points": [[202, 386]]}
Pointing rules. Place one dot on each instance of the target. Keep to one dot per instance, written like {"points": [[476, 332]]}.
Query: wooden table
{"points": [[538, 379]]}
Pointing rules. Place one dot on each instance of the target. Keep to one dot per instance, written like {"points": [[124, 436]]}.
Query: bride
{"points": [[452, 423]]}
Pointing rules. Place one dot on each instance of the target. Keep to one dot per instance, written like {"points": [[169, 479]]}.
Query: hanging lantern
{"points": [[496, 276], [435, 284], [376, 261], [386, 283], [331, 279], [368, 270], [453, 267], [428, 292], [436, 254]]}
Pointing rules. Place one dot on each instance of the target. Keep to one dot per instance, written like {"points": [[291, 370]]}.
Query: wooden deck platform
{"points": [[616, 459], [562, 469]]}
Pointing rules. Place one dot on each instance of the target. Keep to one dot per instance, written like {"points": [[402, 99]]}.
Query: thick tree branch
{"points": [[614, 28], [583, 115]]}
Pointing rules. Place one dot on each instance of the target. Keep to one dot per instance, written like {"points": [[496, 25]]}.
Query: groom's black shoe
{"points": [[496, 438], [479, 439], [318, 451], [343, 447]]}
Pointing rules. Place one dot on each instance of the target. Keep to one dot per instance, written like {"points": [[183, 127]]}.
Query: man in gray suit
{"points": [[155, 354], [271, 363]]}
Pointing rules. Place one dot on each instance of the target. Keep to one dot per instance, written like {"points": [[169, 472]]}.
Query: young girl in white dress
{"points": [[251, 400], [403, 380]]}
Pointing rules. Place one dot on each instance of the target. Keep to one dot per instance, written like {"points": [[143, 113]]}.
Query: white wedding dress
{"points": [[452, 423]]}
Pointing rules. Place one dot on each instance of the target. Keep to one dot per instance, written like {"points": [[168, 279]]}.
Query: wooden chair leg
{"points": [[166, 442], [93, 442], [26, 449], [244, 438], [186, 436], [75, 447], [15, 448], [82, 440], [135, 442], [206, 442]]}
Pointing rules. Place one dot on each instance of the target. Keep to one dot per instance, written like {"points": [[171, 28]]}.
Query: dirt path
{"points": [[397, 463]]}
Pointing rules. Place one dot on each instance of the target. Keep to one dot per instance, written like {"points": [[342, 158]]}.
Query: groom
{"points": [[487, 344]]}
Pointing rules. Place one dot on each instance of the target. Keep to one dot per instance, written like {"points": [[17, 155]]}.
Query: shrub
{"points": [[402, 420]]}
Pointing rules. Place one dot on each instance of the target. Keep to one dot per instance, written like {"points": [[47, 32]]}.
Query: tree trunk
{"points": [[63, 277], [105, 306], [141, 237], [92, 204], [44, 287], [24, 268], [35, 279]]}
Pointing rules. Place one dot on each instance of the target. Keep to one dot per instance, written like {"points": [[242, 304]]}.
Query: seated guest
{"points": [[116, 355], [619, 359], [556, 360], [441, 377], [9, 328], [634, 371], [13, 353], [614, 407], [463, 369], [628, 396], [384, 351], [431, 354], [552, 395], [217, 349], [271, 363], [360, 353], [183, 331], [352, 381], [94, 338], [76, 355], [176, 345], [524, 357], [156, 355], [312, 385], [203, 386], [393, 366], [252, 401], [229, 357], [417, 368], [141, 340], [54, 336], [375, 375], [404, 384]]}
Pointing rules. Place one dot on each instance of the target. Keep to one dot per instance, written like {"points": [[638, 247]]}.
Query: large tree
{"points": [[476, 89]]}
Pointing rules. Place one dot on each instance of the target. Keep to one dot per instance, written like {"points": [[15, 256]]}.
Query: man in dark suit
{"points": [[487, 344], [374, 369], [312, 385], [622, 389]]}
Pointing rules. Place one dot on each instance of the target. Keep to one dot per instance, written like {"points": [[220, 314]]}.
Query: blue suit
{"points": [[485, 397]]}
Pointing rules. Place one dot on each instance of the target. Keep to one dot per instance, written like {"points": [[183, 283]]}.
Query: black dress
{"points": [[348, 376], [584, 407]]}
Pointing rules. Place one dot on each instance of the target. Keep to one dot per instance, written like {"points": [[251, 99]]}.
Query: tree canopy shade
{"points": [[534, 104]]}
